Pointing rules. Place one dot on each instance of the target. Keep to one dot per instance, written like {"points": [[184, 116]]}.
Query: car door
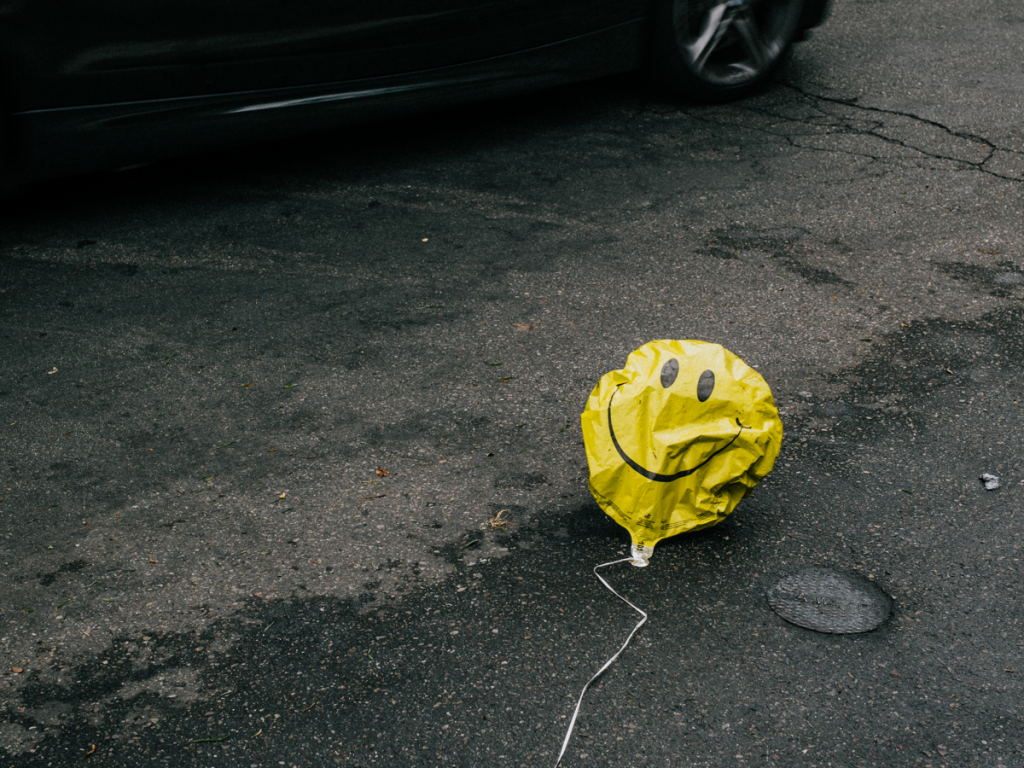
{"points": [[63, 54]]}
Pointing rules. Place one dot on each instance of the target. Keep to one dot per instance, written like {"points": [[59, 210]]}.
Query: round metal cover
{"points": [[828, 601]]}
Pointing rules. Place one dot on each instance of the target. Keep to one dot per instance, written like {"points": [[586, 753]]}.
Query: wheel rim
{"points": [[734, 42]]}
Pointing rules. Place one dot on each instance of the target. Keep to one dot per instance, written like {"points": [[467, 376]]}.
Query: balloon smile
{"points": [[657, 476]]}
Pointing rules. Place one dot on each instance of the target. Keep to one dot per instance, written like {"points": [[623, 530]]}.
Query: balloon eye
{"points": [[705, 385], [669, 371]]}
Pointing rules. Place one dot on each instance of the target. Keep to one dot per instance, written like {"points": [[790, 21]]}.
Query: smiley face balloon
{"points": [[677, 438]]}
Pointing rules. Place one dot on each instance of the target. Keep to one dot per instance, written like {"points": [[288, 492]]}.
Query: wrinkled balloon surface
{"points": [[677, 437]]}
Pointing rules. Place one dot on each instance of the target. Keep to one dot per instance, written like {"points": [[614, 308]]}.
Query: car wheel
{"points": [[714, 50]]}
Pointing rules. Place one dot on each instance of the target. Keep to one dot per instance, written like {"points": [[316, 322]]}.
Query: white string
{"points": [[608, 663]]}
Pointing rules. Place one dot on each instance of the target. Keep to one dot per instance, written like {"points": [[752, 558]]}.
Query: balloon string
{"points": [[572, 723]]}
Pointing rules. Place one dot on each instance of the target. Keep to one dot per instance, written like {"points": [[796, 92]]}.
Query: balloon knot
{"points": [[641, 555]]}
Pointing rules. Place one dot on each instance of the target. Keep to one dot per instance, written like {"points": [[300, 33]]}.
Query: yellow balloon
{"points": [[676, 438]]}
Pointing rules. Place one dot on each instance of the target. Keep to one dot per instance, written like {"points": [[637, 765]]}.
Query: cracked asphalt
{"points": [[291, 467]]}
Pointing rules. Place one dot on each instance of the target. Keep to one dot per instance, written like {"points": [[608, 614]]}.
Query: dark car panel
{"points": [[56, 142], [103, 51], [103, 83]]}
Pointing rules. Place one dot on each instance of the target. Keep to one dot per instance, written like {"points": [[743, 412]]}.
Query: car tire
{"points": [[717, 50]]}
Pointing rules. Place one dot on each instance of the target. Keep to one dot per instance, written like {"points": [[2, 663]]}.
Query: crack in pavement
{"points": [[850, 103], [983, 142], [844, 125]]}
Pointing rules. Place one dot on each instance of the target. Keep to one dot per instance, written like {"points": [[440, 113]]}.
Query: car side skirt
{"points": [[59, 142]]}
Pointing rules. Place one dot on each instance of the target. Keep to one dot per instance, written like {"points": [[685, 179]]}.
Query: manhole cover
{"points": [[828, 601]]}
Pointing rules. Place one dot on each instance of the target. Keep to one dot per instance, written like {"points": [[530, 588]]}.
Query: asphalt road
{"points": [[291, 464]]}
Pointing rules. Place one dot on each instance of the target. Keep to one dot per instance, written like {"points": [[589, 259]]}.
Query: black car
{"points": [[97, 84]]}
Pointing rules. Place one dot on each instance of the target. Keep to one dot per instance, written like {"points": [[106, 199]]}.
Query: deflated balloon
{"points": [[676, 438]]}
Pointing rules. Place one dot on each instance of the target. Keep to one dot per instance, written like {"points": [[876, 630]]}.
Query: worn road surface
{"points": [[291, 470]]}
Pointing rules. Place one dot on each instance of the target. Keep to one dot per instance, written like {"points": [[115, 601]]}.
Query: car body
{"points": [[100, 84]]}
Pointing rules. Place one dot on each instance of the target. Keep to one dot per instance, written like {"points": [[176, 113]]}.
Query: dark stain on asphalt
{"points": [[1002, 280], [778, 244], [488, 662], [46, 579], [813, 275], [759, 238], [890, 391]]}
